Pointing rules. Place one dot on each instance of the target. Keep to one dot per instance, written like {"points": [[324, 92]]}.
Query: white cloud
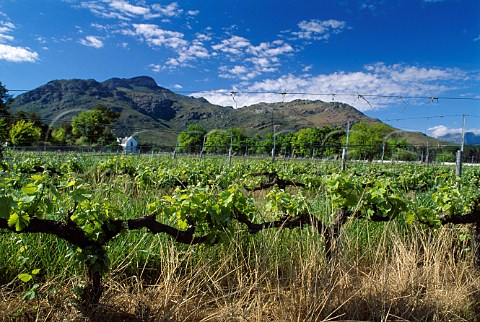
{"points": [[235, 45], [251, 60], [319, 29], [186, 51], [17, 54], [401, 73], [10, 53], [124, 10], [442, 130], [156, 36], [187, 54], [92, 41], [127, 8], [270, 49], [5, 28], [170, 10], [373, 87]]}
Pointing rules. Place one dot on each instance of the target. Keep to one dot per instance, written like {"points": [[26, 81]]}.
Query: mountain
{"points": [[470, 138], [156, 114]]}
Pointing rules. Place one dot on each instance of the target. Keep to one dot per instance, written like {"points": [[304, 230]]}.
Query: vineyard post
{"points": [[460, 152], [383, 151], [458, 163], [203, 146], [230, 149], [427, 155], [344, 150]]}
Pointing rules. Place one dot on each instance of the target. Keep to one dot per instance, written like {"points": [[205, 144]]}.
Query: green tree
{"points": [[95, 126], [217, 141], [5, 102], [366, 140], [4, 129], [61, 135], [238, 141], [23, 133], [35, 119], [283, 143], [318, 141], [191, 140]]}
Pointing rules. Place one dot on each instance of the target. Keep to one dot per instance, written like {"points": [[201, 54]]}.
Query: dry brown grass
{"points": [[384, 275]]}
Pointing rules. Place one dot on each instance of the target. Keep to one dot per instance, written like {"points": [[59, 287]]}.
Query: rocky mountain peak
{"points": [[140, 81]]}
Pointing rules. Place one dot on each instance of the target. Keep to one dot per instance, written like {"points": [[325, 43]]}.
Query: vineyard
{"points": [[148, 237]]}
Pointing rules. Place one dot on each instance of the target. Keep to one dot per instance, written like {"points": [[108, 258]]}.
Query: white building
{"points": [[129, 144]]}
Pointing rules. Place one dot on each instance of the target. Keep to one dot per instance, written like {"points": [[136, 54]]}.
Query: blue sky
{"points": [[414, 64]]}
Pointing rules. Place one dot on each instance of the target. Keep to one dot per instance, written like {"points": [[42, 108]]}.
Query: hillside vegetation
{"points": [[157, 114]]}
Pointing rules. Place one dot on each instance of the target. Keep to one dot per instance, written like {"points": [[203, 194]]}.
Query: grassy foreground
{"points": [[380, 272]]}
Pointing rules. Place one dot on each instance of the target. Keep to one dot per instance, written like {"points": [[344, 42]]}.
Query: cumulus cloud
{"points": [[92, 41], [11, 53], [17, 54], [373, 87], [442, 130]]}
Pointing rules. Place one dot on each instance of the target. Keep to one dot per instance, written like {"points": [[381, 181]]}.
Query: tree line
{"points": [[92, 127], [365, 141]]}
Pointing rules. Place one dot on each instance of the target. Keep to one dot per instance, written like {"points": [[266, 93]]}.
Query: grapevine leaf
{"points": [[25, 277], [182, 224], [37, 177], [27, 199], [30, 189], [19, 221]]}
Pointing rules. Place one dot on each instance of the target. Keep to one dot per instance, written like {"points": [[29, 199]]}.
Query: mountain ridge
{"points": [[146, 107]]}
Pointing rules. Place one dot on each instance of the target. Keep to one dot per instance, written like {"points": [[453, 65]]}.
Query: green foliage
{"points": [[95, 125], [4, 130], [317, 142], [30, 293], [367, 140], [452, 198], [217, 141], [209, 200], [191, 140], [24, 133], [281, 203], [31, 200], [5, 102]]}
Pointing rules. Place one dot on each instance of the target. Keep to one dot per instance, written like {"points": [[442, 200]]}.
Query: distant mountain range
{"points": [[470, 138], [156, 115]]}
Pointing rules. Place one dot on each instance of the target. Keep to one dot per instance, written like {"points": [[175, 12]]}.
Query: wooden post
{"points": [[458, 163]]}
